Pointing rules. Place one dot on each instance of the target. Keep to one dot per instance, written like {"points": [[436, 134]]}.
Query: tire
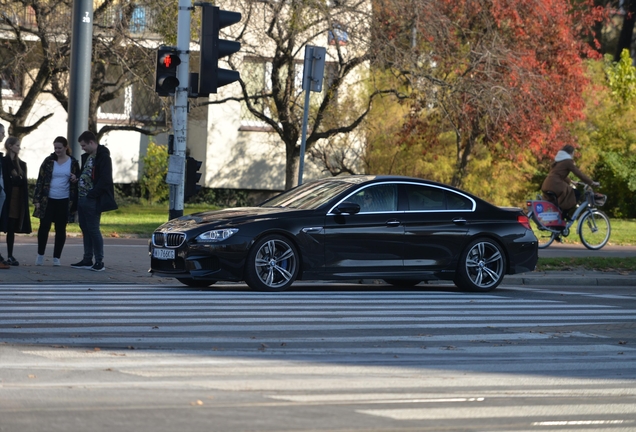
{"points": [[545, 237], [272, 264], [196, 283], [402, 283], [594, 229], [482, 266]]}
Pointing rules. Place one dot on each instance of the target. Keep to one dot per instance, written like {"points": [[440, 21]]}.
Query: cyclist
{"points": [[559, 183]]}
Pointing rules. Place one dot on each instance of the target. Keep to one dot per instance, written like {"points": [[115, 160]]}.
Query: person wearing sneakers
{"points": [[3, 196], [96, 195], [15, 217], [55, 197]]}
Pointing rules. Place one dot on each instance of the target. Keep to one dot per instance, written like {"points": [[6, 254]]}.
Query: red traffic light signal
{"points": [[211, 77], [166, 81]]}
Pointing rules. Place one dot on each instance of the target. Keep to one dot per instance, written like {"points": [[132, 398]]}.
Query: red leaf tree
{"points": [[504, 74]]}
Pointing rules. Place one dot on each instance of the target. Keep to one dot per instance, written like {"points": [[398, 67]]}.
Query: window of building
{"points": [[136, 103], [257, 75], [11, 84]]}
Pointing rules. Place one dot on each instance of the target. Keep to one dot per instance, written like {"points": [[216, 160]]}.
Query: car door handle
{"points": [[393, 223], [459, 221], [311, 229]]}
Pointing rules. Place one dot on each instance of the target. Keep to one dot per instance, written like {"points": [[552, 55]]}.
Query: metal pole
{"points": [[301, 161], [180, 108], [80, 76]]}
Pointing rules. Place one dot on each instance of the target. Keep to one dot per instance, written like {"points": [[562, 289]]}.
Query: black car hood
{"points": [[225, 217]]}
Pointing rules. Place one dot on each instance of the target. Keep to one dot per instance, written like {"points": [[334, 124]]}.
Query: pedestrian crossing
{"points": [[419, 359], [115, 315]]}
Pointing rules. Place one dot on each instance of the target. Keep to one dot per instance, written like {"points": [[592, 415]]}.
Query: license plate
{"points": [[163, 254]]}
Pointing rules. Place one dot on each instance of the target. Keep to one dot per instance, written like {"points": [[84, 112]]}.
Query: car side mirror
{"points": [[347, 207]]}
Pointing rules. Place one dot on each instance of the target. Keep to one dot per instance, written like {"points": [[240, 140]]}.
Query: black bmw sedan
{"points": [[398, 229]]}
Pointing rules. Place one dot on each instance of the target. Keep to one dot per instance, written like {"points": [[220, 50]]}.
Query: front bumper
{"points": [[210, 261]]}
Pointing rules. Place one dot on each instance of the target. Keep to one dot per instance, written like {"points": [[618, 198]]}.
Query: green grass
{"points": [[623, 233], [627, 264], [134, 220]]}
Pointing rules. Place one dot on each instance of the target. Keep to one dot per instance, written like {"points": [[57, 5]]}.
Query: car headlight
{"points": [[217, 235]]}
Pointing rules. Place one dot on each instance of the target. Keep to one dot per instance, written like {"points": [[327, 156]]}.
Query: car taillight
{"points": [[523, 220]]}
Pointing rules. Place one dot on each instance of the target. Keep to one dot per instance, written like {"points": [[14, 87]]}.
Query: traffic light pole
{"points": [[180, 108]]}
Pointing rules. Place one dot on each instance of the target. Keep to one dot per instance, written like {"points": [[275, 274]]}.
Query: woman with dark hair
{"points": [[15, 212], [55, 197], [559, 182]]}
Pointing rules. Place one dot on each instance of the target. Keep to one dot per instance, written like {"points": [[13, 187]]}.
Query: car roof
{"points": [[363, 178]]}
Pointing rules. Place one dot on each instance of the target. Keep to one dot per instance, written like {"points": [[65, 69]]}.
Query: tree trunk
{"points": [[627, 31]]}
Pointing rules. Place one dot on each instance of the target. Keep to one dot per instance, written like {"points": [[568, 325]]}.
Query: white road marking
{"points": [[469, 412]]}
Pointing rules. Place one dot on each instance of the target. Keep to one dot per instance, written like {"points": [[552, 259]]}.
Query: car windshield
{"points": [[310, 195]]}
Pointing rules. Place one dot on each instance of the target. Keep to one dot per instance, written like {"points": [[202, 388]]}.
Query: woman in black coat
{"points": [[15, 217]]}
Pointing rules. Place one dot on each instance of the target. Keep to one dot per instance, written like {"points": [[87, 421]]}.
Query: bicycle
{"points": [[548, 224]]}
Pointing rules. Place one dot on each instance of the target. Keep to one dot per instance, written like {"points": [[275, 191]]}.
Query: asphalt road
{"points": [[122, 357]]}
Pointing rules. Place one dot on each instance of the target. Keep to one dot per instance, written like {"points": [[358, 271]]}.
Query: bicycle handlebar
{"points": [[585, 185]]}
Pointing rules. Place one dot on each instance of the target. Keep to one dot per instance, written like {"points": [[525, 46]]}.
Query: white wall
{"points": [[124, 146]]}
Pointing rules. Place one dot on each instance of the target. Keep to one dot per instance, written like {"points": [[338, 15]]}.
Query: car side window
{"points": [[425, 198], [457, 202], [381, 198]]}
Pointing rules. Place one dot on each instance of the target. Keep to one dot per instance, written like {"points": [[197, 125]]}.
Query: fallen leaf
{"points": [[32, 376]]}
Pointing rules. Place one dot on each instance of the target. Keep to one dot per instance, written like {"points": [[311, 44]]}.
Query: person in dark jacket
{"points": [[15, 216], [3, 196], [55, 197], [96, 195]]}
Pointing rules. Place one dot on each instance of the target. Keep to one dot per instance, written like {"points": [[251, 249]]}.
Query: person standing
{"points": [[3, 196], [96, 195], [55, 197], [15, 216]]}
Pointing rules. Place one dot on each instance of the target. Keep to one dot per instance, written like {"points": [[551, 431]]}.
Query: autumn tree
{"points": [[608, 134], [487, 77]]}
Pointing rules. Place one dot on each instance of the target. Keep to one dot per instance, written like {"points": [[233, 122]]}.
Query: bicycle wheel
{"points": [[544, 236], [594, 229]]}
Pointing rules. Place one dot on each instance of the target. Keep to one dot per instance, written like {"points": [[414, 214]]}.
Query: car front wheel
{"points": [[272, 264], [481, 266]]}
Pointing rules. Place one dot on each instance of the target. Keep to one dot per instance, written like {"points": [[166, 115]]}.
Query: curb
{"points": [[547, 279]]}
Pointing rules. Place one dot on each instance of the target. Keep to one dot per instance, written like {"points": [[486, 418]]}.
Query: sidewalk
{"points": [[127, 262]]}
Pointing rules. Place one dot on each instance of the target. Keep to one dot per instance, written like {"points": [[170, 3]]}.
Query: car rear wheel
{"points": [[272, 264], [196, 283], [481, 266]]}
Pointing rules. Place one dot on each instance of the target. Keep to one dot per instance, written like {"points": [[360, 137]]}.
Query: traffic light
{"points": [[192, 177], [211, 77], [166, 81]]}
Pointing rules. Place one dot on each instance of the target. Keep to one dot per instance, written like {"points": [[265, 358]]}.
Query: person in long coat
{"points": [[558, 180], [15, 217], [3, 196]]}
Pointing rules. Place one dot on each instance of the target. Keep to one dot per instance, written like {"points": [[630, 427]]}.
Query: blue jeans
{"points": [[89, 220]]}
